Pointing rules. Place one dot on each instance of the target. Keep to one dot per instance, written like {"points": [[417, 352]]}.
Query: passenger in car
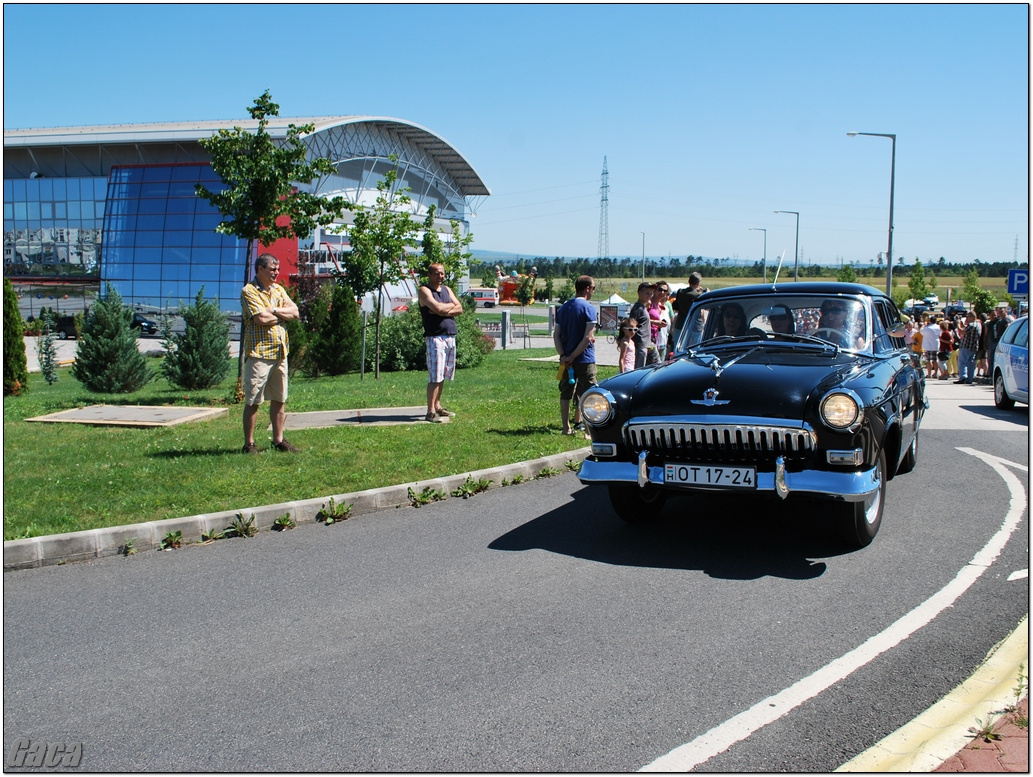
{"points": [[732, 321], [781, 320]]}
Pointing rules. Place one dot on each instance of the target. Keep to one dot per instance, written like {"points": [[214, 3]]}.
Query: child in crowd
{"points": [[625, 346]]}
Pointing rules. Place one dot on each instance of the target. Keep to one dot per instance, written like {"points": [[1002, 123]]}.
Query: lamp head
{"points": [[851, 134]]}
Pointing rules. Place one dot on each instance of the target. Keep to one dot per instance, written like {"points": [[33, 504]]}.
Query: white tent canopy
{"points": [[615, 299]]}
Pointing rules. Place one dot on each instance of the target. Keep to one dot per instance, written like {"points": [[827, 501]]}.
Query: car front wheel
{"points": [[634, 504], [1001, 398], [859, 521]]}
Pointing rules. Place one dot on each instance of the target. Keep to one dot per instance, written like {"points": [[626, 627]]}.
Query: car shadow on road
{"points": [[732, 538], [1015, 416]]}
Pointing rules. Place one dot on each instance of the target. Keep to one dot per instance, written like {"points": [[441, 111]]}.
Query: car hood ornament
{"points": [[710, 399]]}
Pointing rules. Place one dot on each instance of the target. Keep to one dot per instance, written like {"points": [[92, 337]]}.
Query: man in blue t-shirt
{"points": [[574, 338]]}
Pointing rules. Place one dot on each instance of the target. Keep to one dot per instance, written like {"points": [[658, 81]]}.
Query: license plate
{"points": [[710, 475]]}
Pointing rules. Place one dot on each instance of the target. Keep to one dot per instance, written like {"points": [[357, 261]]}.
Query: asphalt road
{"points": [[528, 629]]}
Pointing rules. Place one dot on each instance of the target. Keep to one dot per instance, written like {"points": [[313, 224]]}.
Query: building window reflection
{"points": [[166, 248]]}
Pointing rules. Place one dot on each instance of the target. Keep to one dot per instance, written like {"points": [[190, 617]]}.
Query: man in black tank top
{"points": [[438, 308]]}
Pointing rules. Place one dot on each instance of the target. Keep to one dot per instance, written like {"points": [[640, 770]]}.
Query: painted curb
{"points": [[99, 543], [942, 730]]}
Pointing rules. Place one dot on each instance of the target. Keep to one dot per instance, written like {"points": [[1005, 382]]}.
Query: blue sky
{"points": [[711, 117]]}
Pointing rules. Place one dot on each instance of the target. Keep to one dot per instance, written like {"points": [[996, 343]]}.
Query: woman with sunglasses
{"points": [[732, 321], [834, 324]]}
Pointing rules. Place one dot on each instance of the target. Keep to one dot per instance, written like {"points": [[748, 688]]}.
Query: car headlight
{"points": [[597, 406], [841, 409]]}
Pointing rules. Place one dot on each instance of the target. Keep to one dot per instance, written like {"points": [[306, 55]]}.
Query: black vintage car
{"points": [[795, 390]]}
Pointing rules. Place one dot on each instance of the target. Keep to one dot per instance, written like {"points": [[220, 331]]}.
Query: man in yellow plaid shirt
{"points": [[264, 306]]}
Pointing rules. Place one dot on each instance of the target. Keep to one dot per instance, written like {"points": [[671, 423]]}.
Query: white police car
{"points": [[1011, 365]]}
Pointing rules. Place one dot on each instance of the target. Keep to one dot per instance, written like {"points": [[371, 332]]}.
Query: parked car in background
{"points": [[801, 391], [915, 311], [65, 327], [956, 308], [932, 300], [144, 324], [1011, 365]]}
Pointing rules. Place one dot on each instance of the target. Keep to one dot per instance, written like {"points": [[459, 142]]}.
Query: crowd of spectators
{"points": [[959, 346]]}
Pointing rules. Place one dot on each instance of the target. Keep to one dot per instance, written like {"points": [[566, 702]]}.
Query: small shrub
{"points": [[284, 523], [211, 536], [573, 465], [241, 527], [129, 548], [547, 472], [46, 351], [426, 496], [172, 540], [332, 512], [198, 358], [16, 369], [470, 487], [107, 359]]}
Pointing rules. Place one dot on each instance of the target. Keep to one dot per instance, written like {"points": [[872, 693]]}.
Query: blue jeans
{"points": [[966, 365]]}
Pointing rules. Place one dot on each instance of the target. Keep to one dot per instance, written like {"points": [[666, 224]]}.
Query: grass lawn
{"points": [[67, 477]]}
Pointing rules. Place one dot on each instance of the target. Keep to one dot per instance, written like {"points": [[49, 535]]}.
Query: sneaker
{"points": [[579, 427], [433, 418], [444, 413], [250, 448], [286, 447]]}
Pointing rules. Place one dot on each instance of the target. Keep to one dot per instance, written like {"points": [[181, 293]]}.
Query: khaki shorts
{"points": [[584, 377], [265, 379]]}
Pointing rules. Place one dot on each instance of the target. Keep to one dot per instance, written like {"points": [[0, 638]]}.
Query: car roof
{"points": [[812, 287]]}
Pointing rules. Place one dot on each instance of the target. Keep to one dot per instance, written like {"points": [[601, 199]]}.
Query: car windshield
{"points": [[838, 320]]}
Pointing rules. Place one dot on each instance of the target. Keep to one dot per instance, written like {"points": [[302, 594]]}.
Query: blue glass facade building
{"points": [[117, 203]]}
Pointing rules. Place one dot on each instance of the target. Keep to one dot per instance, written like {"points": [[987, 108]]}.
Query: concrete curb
{"points": [[98, 543], [942, 730]]}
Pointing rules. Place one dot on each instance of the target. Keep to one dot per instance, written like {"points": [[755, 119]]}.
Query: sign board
{"points": [[609, 315], [1018, 283]]}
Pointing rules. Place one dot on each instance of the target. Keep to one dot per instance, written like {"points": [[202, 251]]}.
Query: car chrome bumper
{"points": [[846, 486]]}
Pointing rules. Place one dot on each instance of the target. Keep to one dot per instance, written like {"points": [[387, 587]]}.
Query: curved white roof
{"points": [[188, 132]]}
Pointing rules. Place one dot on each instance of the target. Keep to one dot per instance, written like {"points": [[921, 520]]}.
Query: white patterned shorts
{"points": [[441, 358]]}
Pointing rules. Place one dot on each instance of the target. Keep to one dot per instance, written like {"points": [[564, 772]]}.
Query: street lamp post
{"points": [[764, 261], [796, 262], [893, 172], [643, 257]]}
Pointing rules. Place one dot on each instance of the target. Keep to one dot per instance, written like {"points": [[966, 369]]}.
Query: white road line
{"points": [[1022, 574], [738, 728]]}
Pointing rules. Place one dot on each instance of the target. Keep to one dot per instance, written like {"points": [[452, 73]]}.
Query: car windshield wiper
{"points": [[805, 339]]}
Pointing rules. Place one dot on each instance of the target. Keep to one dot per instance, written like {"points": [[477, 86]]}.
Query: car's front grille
{"points": [[720, 441]]}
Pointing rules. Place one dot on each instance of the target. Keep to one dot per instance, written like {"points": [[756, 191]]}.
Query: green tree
{"points": [[379, 238], [16, 369], [46, 351], [846, 274], [107, 360], [198, 358], [261, 201], [916, 285]]}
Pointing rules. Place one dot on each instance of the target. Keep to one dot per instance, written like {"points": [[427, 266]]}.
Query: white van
{"points": [[488, 298]]}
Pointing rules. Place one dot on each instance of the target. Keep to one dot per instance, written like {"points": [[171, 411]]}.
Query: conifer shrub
{"points": [[199, 357], [16, 369], [107, 360], [334, 344]]}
